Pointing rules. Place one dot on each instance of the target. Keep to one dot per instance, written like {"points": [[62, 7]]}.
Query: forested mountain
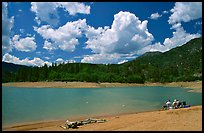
{"points": [[182, 63]]}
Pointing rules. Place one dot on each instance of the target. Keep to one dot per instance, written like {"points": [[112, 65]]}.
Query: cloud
{"points": [[126, 35], [70, 61], [176, 25], [155, 16], [35, 62], [118, 43], [152, 48], [22, 31], [49, 46], [47, 11], [123, 61], [101, 59], [38, 52], [74, 7], [112, 58], [179, 38], [181, 12], [60, 60], [27, 44], [65, 37], [47, 58], [165, 12], [7, 25], [185, 12]]}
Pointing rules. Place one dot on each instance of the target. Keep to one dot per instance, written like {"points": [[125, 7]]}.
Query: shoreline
{"points": [[176, 119], [195, 86]]}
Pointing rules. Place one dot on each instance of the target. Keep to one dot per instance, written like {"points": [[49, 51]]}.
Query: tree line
{"points": [[179, 64]]}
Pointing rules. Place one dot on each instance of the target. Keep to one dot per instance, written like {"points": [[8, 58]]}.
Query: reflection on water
{"points": [[36, 104]]}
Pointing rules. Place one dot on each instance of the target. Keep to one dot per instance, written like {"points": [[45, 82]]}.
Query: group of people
{"points": [[176, 104]]}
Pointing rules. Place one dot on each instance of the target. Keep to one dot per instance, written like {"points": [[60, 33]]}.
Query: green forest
{"points": [[183, 63]]}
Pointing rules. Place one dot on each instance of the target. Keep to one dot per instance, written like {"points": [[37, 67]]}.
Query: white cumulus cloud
{"points": [[75, 7], [126, 35], [185, 12], [155, 16], [118, 43], [27, 44], [35, 62], [49, 46], [181, 12], [65, 37], [45, 11], [48, 11], [101, 59], [7, 25], [179, 38]]}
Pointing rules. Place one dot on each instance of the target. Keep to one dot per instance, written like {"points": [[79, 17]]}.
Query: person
{"points": [[178, 103], [174, 104], [168, 104], [164, 107], [184, 103]]}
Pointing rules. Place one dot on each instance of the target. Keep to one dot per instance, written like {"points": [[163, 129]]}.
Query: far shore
{"points": [[183, 119], [195, 86]]}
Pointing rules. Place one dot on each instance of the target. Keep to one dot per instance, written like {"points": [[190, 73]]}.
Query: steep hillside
{"points": [[179, 64]]}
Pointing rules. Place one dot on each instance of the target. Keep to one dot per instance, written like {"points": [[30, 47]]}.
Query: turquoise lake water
{"points": [[21, 105]]}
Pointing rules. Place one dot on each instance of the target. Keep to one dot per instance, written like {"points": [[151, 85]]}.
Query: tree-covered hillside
{"points": [[9, 70], [182, 63]]}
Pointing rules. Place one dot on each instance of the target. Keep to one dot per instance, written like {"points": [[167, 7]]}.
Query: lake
{"points": [[21, 105]]}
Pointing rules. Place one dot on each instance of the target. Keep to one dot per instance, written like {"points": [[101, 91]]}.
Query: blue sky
{"points": [[94, 32]]}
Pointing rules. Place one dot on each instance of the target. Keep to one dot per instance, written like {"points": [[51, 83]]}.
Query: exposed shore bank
{"points": [[196, 86], [184, 119]]}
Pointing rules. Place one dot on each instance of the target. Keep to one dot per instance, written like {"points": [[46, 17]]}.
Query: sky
{"points": [[35, 33]]}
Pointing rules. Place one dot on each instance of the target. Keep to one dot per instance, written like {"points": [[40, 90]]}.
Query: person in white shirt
{"points": [[168, 104], [174, 104]]}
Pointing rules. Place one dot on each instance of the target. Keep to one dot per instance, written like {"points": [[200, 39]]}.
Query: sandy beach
{"points": [[196, 86], [184, 119], [170, 120]]}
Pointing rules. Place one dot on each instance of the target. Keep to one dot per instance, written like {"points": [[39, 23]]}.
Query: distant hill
{"points": [[11, 67], [150, 54], [8, 70], [183, 63]]}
